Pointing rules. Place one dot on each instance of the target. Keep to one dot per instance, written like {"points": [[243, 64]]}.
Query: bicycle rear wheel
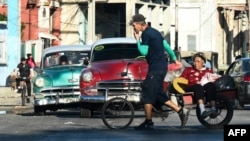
{"points": [[224, 114], [117, 113]]}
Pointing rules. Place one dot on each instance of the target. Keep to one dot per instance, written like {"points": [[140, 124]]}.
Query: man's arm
{"points": [[143, 49], [169, 50]]}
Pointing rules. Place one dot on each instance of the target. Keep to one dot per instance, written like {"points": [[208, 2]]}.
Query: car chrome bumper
{"points": [[105, 90], [92, 99], [52, 99]]}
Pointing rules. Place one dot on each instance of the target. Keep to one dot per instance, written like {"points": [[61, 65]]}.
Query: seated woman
{"points": [[194, 75], [63, 60]]}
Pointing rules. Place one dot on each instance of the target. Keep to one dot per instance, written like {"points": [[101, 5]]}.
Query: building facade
{"points": [[194, 25]]}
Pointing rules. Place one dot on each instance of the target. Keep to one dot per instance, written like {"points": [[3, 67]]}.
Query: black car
{"points": [[240, 71]]}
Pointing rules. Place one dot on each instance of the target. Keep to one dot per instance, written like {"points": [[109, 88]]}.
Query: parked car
{"points": [[240, 71], [113, 63], [56, 85]]}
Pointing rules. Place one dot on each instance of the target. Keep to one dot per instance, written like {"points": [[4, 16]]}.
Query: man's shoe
{"points": [[28, 100], [206, 114], [183, 114], [145, 126]]}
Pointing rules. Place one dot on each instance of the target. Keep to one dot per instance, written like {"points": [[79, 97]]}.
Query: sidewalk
{"points": [[10, 102]]}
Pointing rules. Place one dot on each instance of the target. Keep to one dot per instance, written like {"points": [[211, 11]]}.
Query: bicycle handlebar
{"points": [[23, 78]]}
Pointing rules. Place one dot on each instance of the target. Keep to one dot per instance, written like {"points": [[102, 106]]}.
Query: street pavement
{"points": [[10, 102]]}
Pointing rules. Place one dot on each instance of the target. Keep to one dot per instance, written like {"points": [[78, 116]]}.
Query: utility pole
{"points": [[91, 23], [176, 24]]}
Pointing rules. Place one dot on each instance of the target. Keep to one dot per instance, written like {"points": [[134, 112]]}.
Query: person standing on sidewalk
{"points": [[152, 46], [30, 60], [24, 70]]}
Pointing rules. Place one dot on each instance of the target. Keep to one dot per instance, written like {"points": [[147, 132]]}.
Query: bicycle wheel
{"points": [[117, 113], [224, 114], [23, 95]]}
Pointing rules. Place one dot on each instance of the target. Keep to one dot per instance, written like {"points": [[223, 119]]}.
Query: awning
{"points": [[237, 8], [47, 35]]}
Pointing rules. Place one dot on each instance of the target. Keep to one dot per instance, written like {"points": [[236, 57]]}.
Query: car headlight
{"points": [[87, 76], [39, 82]]}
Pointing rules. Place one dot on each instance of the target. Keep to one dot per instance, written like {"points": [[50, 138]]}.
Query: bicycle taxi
{"points": [[118, 112]]}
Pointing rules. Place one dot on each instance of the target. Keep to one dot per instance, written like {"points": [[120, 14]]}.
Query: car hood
{"points": [[113, 69], [63, 76]]}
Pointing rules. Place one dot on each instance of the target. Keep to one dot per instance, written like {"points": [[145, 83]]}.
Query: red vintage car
{"points": [[113, 62]]}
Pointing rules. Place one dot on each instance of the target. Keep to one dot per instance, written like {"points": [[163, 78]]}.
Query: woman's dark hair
{"points": [[29, 54], [200, 55]]}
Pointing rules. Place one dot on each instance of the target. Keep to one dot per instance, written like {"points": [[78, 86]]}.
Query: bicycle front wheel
{"points": [[117, 113], [23, 95]]}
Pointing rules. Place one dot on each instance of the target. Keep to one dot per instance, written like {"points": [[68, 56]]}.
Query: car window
{"points": [[69, 57], [237, 67], [246, 65], [115, 51]]}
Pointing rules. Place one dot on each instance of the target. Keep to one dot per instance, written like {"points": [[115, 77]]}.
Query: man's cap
{"points": [[23, 59], [137, 18]]}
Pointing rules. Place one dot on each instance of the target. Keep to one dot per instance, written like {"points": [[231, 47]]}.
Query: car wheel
{"points": [[38, 110], [85, 113]]}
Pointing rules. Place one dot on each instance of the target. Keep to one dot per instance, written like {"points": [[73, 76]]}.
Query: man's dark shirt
{"points": [[156, 57], [24, 70]]}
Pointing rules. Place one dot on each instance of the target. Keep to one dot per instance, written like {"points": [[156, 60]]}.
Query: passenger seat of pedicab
{"points": [[185, 64]]}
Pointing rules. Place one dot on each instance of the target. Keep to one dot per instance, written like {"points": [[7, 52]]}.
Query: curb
{"points": [[15, 109]]}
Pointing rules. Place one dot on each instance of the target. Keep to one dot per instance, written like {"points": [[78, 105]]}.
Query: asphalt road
{"points": [[67, 125], [19, 123]]}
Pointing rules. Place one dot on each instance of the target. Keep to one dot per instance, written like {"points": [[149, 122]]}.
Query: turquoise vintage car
{"points": [[56, 85]]}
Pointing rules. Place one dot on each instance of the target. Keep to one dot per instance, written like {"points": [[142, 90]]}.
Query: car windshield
{"points": [[64, 58], [115, 51]]}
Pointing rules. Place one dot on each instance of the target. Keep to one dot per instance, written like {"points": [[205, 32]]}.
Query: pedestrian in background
{"points": [[30, 60]]}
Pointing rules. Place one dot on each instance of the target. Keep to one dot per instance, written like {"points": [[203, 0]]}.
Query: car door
{"points": [[235, 70]]}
